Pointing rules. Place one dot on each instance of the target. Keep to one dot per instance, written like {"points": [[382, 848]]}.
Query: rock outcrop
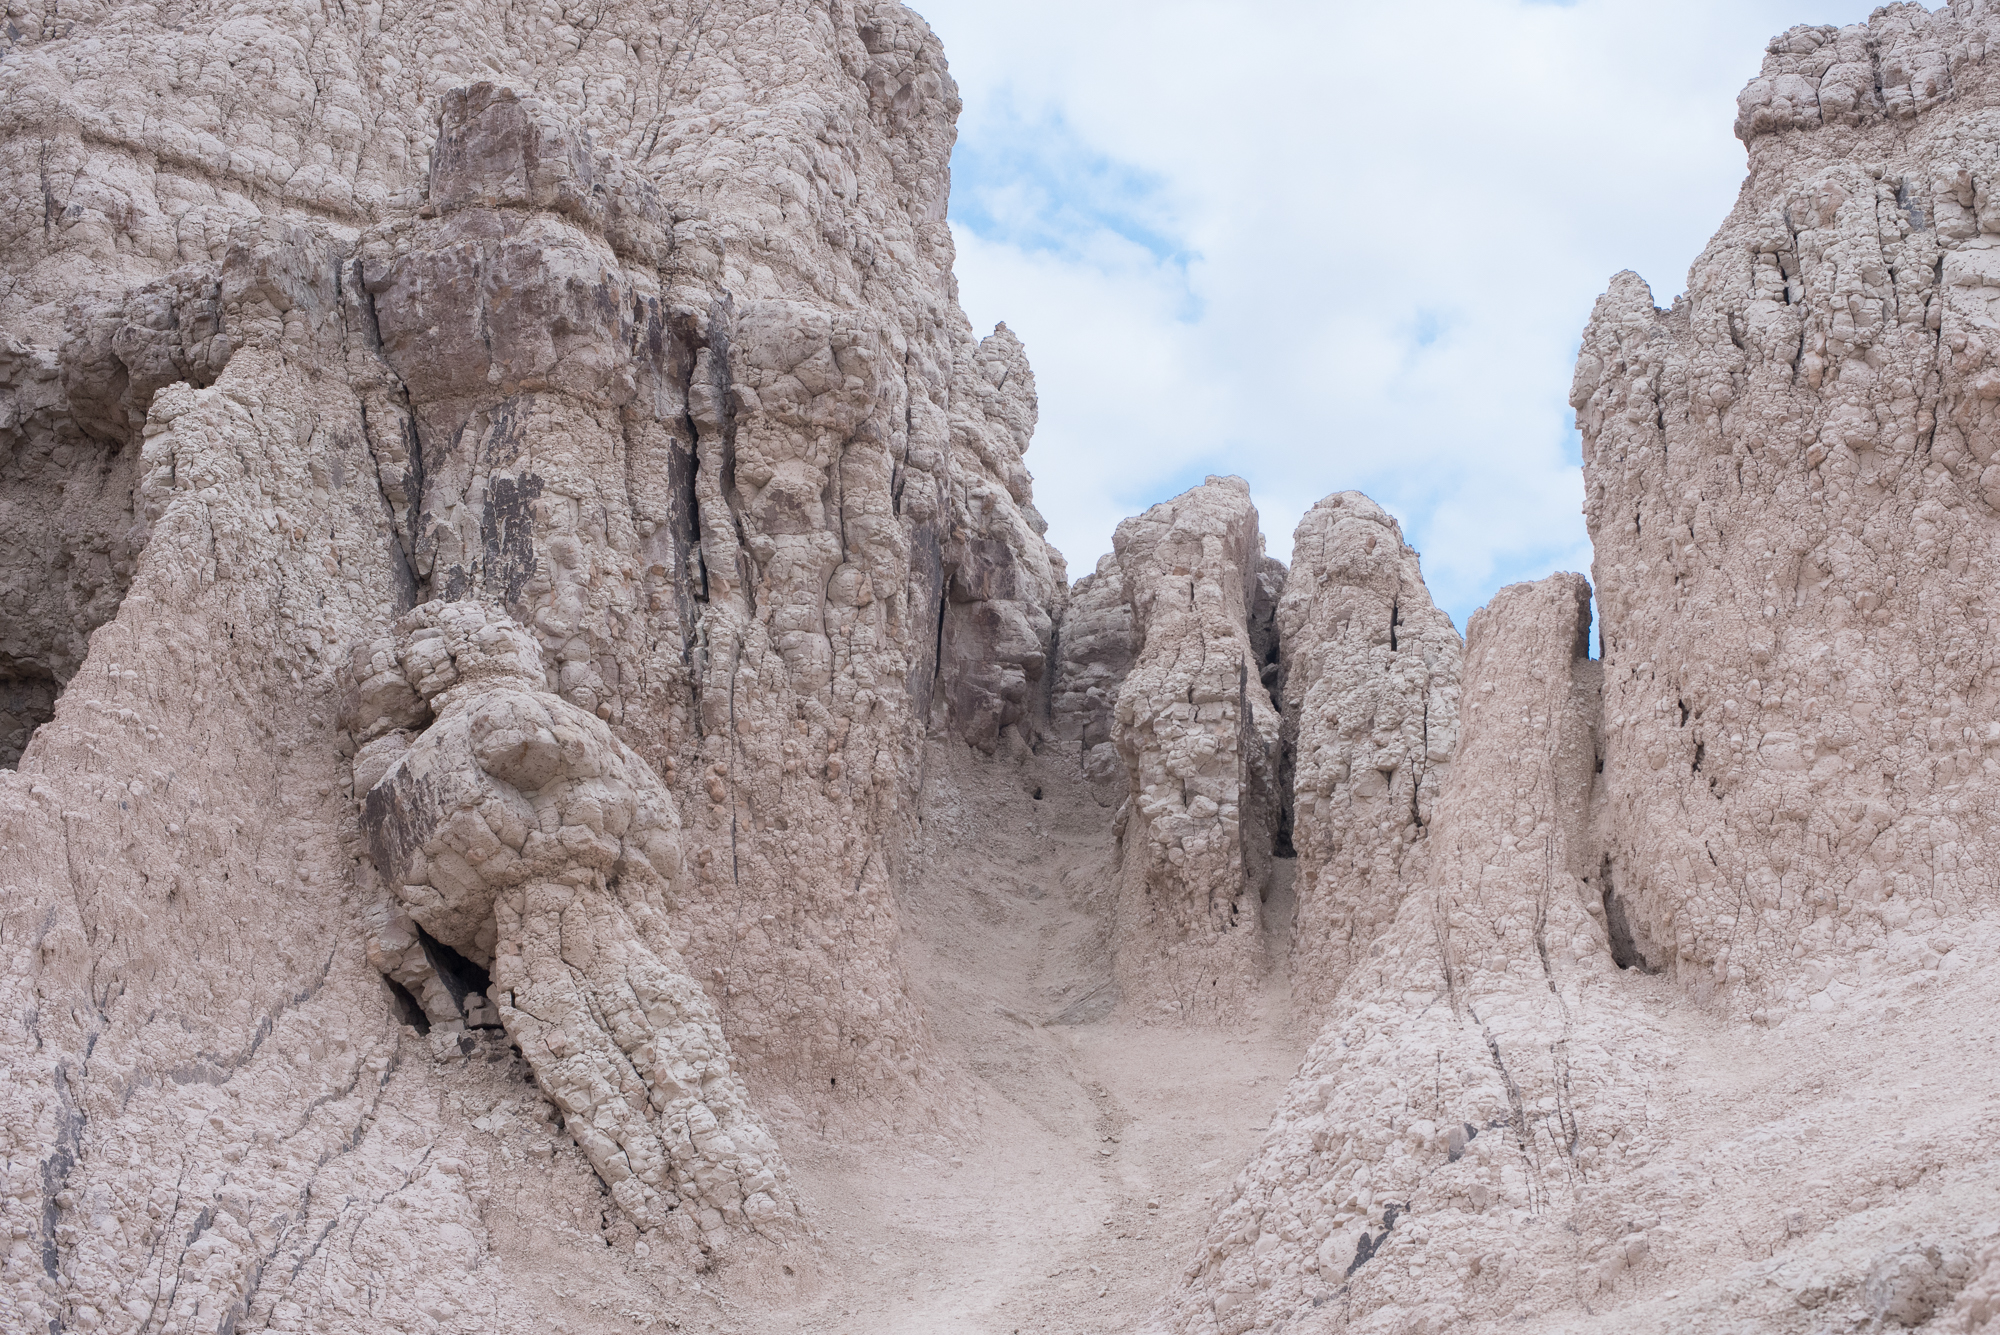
{"points": [[514, 566], [1198, 733], [1790, 489], [1746, 844], [1006, 585], [521, 838], [1449, 1076], [634, 334], [1097, 647], [1371, 721]]}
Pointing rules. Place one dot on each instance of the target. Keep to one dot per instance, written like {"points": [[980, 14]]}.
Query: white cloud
{"points": [[1333, 245]]}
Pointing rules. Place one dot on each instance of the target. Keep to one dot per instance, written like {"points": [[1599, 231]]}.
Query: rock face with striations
{"points": [[1772, 867], [1448, 1078], [1791, 488], [507, 541], [634, 342], [1097, 648], [1198, 733], [1371, 721]]}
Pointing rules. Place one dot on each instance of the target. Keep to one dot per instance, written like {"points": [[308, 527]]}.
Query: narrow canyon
{"points": [[553, 780]]}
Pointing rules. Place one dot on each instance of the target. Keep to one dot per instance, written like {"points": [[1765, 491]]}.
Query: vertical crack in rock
{"points": [[1267, 640], [1625, 950]]}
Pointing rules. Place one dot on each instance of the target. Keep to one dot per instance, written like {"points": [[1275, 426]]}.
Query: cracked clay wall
{"points": [[633, 334], [1790, 488], [1198, 732]]}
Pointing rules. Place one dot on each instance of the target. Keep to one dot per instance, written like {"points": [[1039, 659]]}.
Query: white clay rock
{"points": [[550, 778]]}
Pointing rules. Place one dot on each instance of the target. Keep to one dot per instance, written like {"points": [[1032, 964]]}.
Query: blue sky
{"points": [[1331, 245]]}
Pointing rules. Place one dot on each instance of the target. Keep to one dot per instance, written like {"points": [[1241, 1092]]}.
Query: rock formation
{"points": [[1449, 1079], [1772, 867], [523, 840], [1371, 722], [1790, 492], [634, 333], [552, 779], [1097, 647], [1198, 733]]}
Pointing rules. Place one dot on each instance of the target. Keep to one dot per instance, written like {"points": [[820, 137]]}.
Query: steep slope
{"points": [[1102, 1137]]}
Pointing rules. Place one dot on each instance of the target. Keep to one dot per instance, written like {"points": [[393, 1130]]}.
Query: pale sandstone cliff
{"points": [[1790, 491], [558, 784]]}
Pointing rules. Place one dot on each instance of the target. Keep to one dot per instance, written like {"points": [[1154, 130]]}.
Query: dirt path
{"points": [[1096, 1149], [1099, 1146]]}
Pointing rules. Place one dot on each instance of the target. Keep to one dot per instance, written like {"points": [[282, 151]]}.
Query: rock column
{"points": [[1198, 733], [1478, 1066], [1371, 720]]}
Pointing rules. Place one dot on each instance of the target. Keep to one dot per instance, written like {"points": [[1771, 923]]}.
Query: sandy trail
{"points": [[1094, 1149], [1097, 1147]]}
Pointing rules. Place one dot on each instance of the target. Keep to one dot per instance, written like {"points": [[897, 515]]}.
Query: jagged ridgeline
{"points": [[553, 780]]}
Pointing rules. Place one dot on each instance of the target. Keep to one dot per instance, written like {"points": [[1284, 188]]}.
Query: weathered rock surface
{"points": [[1098, 642], [1198, 733], [1789, 483], [1448, 1077], [519, 834], [1371, 721], [1006, 584], [1770, 872], [516, 576], [636, 333]]}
